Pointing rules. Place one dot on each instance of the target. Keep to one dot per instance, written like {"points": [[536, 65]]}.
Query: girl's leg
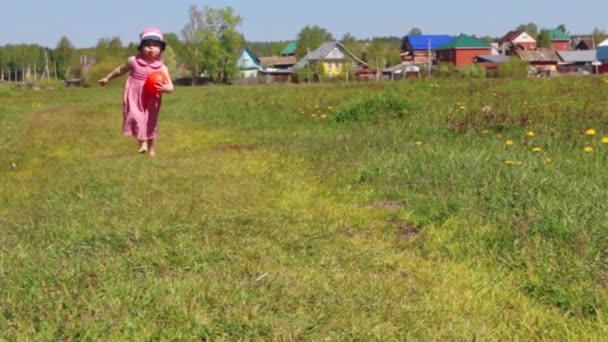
{"points": [[152, 147], [143, 146]]}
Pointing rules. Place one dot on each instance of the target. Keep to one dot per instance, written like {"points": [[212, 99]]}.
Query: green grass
{"points": [[315, 212]]}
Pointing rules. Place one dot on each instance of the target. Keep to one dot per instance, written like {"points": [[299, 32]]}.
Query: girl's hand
{"points": [[103, 81], [164, 87]]}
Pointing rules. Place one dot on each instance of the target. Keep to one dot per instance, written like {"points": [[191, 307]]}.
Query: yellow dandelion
{"points": [[485, 131], [588, 149], [531, 134], [590, 131], [537, 149], [463, 107], [418, 142], [509, 142], [513, 162], [323, 116], [548, 160], [499, 136], [605, 140], [313, 115]]}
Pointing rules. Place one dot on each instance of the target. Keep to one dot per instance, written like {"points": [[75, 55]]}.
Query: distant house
{"points": [[290, 49], [516, 40], [333, 59], [279, 62], [462, 50], [582, 43], [543, 60], [560, 41], [602, 54], [602, 57], [248, 64], [418, 49], [401, 71], [491, 62], [577, 61], [277, 68]]}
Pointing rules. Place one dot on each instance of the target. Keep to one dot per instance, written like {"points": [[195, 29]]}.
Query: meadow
{"points": [[415, 210]]}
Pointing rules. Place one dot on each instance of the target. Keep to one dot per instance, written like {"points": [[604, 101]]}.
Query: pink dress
{"points": [[140, 108]]}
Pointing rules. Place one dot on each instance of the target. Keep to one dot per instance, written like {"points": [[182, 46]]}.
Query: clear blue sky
{"points": [[85, 22]]}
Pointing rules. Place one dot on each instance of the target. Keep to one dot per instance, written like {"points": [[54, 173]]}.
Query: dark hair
{"points": [[163, 44]]}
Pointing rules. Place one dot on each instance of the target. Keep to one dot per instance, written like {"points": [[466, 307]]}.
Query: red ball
{"points": [[155, 79]]}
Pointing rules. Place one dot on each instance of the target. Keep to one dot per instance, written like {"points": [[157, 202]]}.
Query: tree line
{"points": [[208, 46]]}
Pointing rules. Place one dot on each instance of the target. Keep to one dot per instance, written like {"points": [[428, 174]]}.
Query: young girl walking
{"points": [[140, 106]]}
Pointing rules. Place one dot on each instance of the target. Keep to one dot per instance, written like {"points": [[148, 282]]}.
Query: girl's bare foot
{"points": [[151, 147], [143, 147]]}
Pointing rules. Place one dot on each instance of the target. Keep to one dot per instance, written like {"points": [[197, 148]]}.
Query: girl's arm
{"points": [[120, 70], [167, 87]]}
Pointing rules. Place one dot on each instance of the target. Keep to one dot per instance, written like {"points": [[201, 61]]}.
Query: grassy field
{"points": [[422, 210]]}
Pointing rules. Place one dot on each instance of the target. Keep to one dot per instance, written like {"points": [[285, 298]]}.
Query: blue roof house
{"points": [[415, 48]]}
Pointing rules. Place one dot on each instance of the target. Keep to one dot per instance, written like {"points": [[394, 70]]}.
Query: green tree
{"points": [[352, 44], [376, 56], [562, 28], [170, 60], [177, 46], [415, 31], [310, 38], [108, 47], [211, 42], [63, 54], [529, 28], [598, 35], [544, 39]]}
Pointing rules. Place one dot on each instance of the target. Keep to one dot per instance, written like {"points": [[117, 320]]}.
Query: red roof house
{"points": [[517, 40]]}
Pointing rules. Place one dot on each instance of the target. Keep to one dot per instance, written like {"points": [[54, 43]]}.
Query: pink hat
{"points": [[154, 34]]}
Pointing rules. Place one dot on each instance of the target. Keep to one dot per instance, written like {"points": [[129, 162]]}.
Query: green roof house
{"points": [[462, 50], [560, 40], [290, 49]]}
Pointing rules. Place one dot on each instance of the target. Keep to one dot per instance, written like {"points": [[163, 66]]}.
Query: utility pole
{"points": [[430, 58]]}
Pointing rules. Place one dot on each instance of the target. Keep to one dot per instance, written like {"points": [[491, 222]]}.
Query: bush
{"points": [[513, 68], [472, 71], [385, 105], [444, 69], [103, 68]]}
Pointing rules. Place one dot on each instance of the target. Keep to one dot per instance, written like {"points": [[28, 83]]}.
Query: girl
{"points": [[140, 107]]}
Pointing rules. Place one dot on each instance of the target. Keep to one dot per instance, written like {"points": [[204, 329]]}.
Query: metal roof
{"points": [[402, 67], [465, 42], [277, 60], [510, 36], [540, 55], [421, 41], [577, 56], [558, 35], [290, 49], [493, 58], [321, 52]]}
